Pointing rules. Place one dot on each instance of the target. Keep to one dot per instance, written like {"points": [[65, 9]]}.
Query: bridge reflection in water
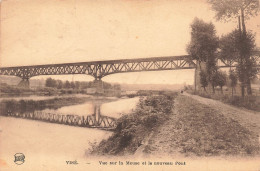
{"points": [[96, 120]]}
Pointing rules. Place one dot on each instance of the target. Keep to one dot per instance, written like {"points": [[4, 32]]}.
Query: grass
{"points": [[249, 102], [131, 129], [205, 132]]}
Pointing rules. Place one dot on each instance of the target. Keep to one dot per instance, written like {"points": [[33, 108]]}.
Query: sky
{"points": [[60, 31]]}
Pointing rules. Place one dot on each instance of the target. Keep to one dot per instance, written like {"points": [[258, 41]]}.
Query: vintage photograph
{"points": [[130, 85]]}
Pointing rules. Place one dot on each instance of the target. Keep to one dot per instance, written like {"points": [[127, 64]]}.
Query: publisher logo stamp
{"points": [[19, 158]]}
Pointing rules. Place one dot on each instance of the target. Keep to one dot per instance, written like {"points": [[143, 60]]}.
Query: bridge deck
{"points": [[99, 69], [164, 58]]}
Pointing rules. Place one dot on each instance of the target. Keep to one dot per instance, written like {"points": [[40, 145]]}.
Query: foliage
{"points": [[59, 84], [243, 9], [248, 102], [67, 84], [233, 78], [233, 48], [203, 80], [131, 129], [203, 46], [51, 83], [8, 89], [230, 45], [219, 79], [222, 79], [204, 41], [228, 9]]}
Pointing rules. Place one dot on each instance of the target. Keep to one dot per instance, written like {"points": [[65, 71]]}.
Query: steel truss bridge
{"points": [[100, 69]]}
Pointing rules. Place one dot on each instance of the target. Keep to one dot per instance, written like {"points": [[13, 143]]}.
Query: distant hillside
{"points": [[11, 80]]}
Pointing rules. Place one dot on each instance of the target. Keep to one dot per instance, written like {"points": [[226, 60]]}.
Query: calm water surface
{"points": [[58, 142], [113, 109]]}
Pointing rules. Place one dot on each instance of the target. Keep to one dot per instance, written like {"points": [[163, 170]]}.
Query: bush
{"points": [[132, 128]]}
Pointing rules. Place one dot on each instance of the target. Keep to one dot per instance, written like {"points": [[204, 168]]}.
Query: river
{"points": [[113, 109], [44, 143]]}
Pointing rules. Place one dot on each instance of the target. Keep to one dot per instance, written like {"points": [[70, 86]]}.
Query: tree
{"points": [[51, 83], [230, 9], [229, 46], [77, 84], [241, 9], [214, 82], [203, 45], [204, 41], [230, 50], [203, 80], [84, 85], [222, 80], [59, 84], [219, 79], [233, 78], [72, 85], [67, 84]]}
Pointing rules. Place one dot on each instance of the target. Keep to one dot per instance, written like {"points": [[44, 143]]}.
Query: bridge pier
{"points": [[97, 113], [197, 71], [199, 67], [24, 83], [98, 83]]}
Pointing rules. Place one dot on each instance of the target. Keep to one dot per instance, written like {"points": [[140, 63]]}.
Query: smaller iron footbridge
{"points": [[89, 121]]}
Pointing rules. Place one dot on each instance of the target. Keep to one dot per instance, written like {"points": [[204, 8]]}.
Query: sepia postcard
{"points": [[129, 85]]}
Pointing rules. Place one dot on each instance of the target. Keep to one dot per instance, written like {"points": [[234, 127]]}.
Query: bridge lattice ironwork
{"points": [[100, 69]]}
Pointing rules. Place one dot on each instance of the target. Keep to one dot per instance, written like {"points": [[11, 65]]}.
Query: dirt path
{"points": [[247, 118], [161, 142], [204, 127]]}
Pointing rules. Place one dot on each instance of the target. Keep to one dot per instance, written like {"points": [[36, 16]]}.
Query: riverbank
{"points": [[251, 102], [132, 129], [183, 127], [201, 130]]}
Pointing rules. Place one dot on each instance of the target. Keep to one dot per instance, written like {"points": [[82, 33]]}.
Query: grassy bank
{"points": [[132, 129], [249, 102], [203, 131]]}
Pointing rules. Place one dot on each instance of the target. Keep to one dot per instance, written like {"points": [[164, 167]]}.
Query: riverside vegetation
{"points": [[248, 102], [175, 124], [151, 112]]}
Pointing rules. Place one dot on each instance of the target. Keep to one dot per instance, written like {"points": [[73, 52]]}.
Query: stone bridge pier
{"points": [[198, 69], [98, 84], [24, 83]]}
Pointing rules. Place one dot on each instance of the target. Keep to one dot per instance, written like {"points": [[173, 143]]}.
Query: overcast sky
{"points": [[59, 31]]}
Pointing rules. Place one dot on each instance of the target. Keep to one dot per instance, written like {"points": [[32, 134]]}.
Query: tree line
{"points": [[78, 84], [237, 46]]}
